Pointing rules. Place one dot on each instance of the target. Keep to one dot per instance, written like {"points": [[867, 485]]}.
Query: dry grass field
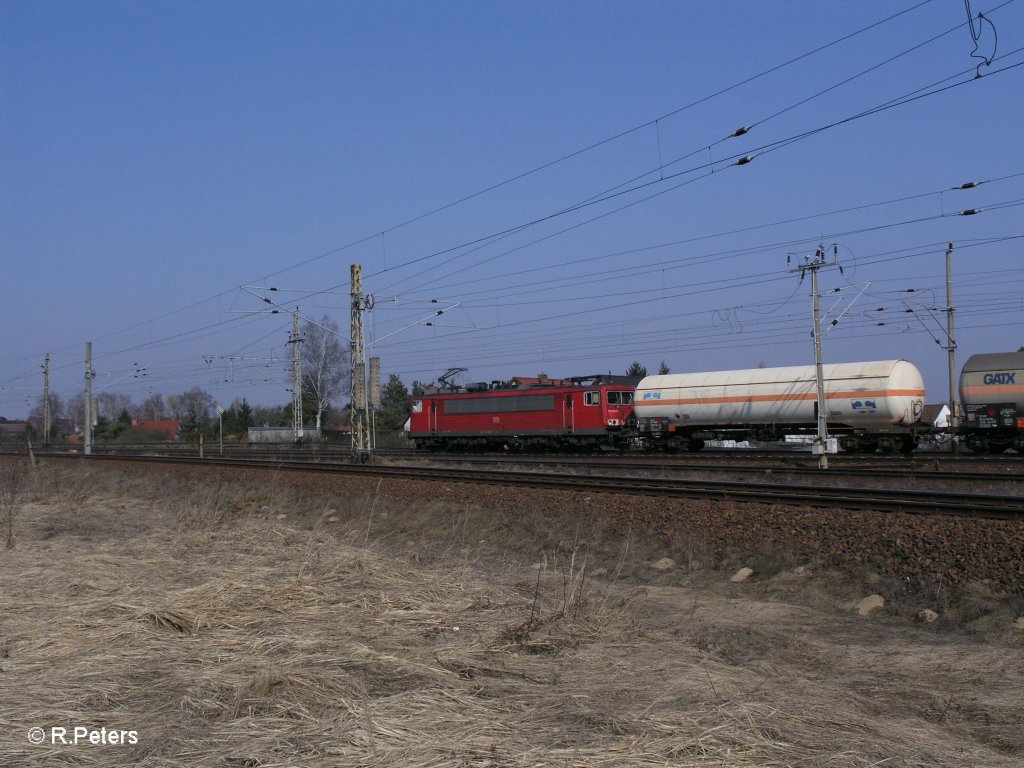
{"points": [[241, 620]]}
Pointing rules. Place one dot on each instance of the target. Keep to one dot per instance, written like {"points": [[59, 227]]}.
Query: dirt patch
{"points": [[227, 622]]}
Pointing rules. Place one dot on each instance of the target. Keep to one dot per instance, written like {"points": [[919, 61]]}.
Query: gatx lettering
{"points": [[1001, 378]]}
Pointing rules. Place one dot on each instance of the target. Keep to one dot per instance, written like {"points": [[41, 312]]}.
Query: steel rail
{"points": [[996, 506], [648, 465]]}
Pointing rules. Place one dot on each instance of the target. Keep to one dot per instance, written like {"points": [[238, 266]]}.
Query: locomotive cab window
{"points": [[613, 398], [592, 398], [620, 398]]}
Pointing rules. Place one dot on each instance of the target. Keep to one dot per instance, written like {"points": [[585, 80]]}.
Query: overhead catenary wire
{"points": [[388, 270], [536, 169]]}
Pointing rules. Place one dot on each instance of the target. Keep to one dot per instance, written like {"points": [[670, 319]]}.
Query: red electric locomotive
{"points": [[580, 413]]}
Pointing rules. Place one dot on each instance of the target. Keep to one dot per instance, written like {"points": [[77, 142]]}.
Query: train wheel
{"points": [[849, 444]]}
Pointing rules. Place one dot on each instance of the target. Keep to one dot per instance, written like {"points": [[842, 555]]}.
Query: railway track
{"points": [[922, 470], [997, 506], [921, 473]]}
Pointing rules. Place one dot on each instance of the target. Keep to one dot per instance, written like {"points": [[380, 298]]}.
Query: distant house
{"points": [[170, 429], [937, 415], [9, 430], [63, 427], [339, 434], [271, 435]]}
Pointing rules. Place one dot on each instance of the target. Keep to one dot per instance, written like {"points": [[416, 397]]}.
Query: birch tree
{"points": [[324, 364]]}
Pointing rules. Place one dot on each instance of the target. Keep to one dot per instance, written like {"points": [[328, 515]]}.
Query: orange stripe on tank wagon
{"points": [[993, 389], [803, 396]]}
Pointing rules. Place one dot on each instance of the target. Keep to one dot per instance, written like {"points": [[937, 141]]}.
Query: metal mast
{"points": [[357, 349], [954, 405], [47, 416], [812, 265], [297, 433], [87, 429]]}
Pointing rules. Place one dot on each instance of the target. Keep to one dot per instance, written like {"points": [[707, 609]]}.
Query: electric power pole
{"points": [[812, 264], [89, 374], [47, 416], [296, 379], [954, 405], [357, 350]]}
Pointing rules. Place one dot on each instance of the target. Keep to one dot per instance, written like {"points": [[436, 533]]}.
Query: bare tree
{"points": [[111, 405], [324, 364], [195, 401], [152, 408], [13, 476], [56, 410], [56, 407], [75, 410]]}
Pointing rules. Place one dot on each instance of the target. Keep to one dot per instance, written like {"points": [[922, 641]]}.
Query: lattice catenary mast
{"points": [[357, 358], [295, 340]]}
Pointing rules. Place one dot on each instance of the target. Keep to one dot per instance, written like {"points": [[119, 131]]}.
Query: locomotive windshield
{"points": [[620, 398]]}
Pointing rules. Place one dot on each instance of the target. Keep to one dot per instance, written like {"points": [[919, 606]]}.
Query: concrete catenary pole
{"points": [[812, 265], [954, 404], [297, 433], [47, 416], [818, 368], [87, 429]]}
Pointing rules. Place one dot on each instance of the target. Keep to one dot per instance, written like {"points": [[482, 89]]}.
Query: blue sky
{"points": [[167, 163]]}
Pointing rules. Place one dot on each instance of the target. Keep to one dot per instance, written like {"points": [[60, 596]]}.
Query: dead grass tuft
{"points": [[173, 620], [421, 637]]}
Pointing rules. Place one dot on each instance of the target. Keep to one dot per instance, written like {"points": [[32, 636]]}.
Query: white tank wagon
{"points": [[992, 394], [871, 405]]}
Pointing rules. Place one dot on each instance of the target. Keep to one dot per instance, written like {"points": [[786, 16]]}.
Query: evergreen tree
{"points": [[395, 402], [244, 418], [195, 422], [663, 369], [635, 369]]}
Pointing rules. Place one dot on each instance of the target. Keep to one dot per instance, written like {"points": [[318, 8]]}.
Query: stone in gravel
{"points": [[870, 604], [1019, 623], [282, 516], [599, 572], [927, 616], [802, 570], [332, 519], [742, 575], [664, 565]]}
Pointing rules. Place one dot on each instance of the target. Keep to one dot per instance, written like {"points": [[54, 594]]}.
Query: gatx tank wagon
{"points": [[992, 394]]}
